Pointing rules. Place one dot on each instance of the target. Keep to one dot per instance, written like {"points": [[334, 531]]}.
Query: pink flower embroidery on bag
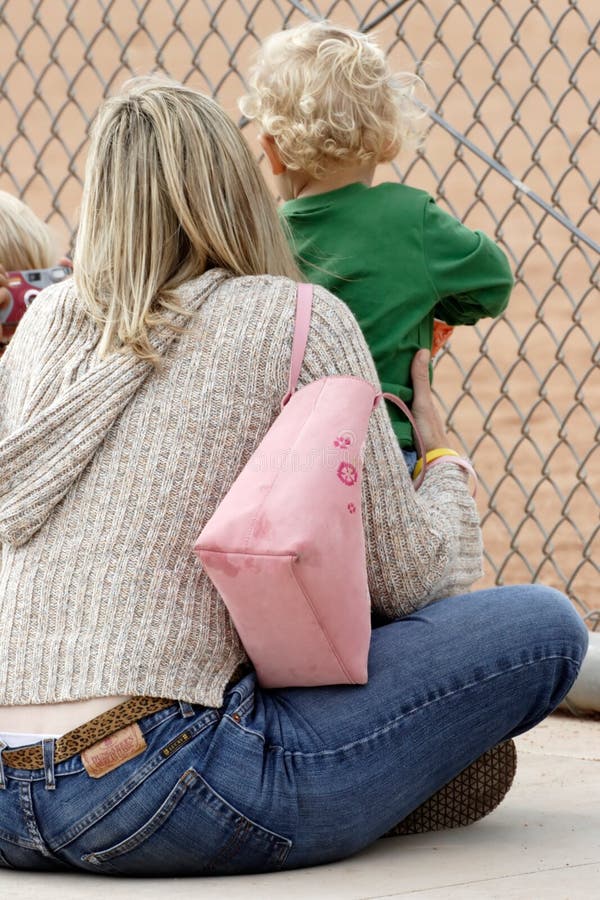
{"points": [[342, 441], [347, 473], [351, 508]]}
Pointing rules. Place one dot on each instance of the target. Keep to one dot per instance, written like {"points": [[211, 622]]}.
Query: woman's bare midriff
{"points": [[54, 718]]}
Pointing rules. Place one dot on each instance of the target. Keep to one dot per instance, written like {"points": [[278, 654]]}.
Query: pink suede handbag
{"points": [[285, 547]]}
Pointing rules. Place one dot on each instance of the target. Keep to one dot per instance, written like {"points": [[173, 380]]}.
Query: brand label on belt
{"points": [[114, 750]]}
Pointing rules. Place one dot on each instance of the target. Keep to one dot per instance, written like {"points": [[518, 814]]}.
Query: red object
{"points": [[22, 293], [24, 288], [441, 333]]}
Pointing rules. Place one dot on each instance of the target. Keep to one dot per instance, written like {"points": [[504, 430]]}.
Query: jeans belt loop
{"points": [[186, 709], [2, 776], [48, 753]]}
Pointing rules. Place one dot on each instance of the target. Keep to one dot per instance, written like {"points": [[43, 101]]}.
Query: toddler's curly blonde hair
{"points": [[327, 97]]}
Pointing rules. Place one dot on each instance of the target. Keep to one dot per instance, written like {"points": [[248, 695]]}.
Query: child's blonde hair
{"points": [[171, 189], [25, 241], [327, 97]]}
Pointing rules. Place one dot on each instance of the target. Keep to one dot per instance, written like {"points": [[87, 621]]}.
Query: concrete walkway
{"points": [[543, 841]]}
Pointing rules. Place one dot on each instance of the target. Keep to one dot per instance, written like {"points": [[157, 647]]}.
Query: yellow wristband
{"points": [[430, 456]]}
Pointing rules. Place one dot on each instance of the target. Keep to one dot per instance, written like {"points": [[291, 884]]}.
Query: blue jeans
{"points": [[410, 458], [277, 779]]}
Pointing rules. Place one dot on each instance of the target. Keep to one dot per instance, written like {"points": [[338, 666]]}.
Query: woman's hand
{"points": [[429, 422]]}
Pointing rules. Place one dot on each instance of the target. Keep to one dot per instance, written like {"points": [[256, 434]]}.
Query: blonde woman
{"points": [[136, 739]]}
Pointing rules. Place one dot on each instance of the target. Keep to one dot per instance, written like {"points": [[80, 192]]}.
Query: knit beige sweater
{"points": [[110, 469]]}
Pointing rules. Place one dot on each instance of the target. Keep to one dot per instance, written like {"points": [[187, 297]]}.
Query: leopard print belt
{"points": [[86, 735]]}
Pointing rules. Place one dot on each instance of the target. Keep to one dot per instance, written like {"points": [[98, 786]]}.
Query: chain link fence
{"points": [[513, 149]]}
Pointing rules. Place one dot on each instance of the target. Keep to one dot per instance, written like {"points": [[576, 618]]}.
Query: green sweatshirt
{"points": [[398, 260]]}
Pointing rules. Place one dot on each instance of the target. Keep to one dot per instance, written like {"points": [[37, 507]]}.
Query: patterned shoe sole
{"points": [[467, 798]]}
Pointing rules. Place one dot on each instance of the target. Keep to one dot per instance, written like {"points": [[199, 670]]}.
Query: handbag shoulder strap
{"points": [[304, 297], [417, 434]]}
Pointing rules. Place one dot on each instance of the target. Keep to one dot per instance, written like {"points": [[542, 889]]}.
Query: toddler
{"points": [[330, 112]]}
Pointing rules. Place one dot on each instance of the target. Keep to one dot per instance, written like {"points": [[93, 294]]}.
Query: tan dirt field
{"points": [[521, 78]]}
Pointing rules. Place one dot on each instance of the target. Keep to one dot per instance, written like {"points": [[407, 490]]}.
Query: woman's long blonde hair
{"points": [[171, 189], [25, 241]]}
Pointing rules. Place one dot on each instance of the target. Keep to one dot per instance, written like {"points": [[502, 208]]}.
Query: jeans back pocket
{"points": [[195, 831]]}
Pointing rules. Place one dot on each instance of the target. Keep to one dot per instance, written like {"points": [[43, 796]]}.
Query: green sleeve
{"points": [[470, 273]]}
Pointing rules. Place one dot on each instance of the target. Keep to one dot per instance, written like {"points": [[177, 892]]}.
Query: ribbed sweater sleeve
{"points": [[420, 545], [15, 379], [4, 382]]}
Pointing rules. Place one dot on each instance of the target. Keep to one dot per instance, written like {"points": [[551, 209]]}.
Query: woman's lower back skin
{"points": [[54, 718]]}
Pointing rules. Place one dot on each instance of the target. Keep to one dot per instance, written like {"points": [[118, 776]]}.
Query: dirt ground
{"points": [[520, 78]]}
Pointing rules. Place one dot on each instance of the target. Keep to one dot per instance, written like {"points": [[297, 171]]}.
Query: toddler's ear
{"points": [[267, 142]]}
